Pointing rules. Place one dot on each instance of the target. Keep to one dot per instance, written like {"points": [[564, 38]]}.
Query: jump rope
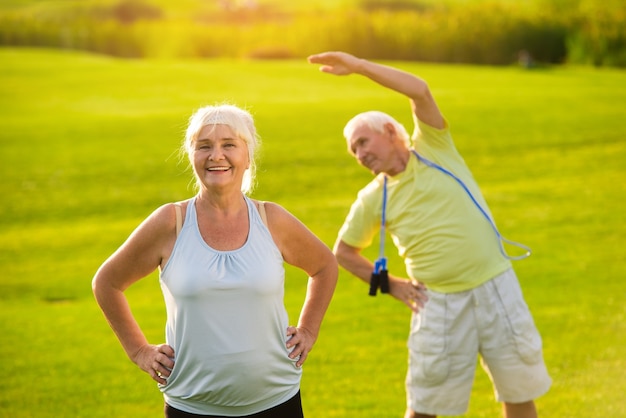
{"points": [[380, 275]]}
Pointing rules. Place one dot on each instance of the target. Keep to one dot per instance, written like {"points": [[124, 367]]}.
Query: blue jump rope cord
{"points": [[382, 261]]}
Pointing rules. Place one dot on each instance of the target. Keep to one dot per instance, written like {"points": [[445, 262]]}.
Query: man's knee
{"points": [[520, 410], [413, 414]]}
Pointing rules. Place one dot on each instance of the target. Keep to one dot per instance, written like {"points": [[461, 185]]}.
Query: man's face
{"points": [[372, 149]]}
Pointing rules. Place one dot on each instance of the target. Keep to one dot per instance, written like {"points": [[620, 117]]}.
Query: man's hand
{"points": [[338, 63], [412, 294]]}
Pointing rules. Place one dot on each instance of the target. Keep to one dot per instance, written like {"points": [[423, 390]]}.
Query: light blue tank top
{"points": [[226, 321]]}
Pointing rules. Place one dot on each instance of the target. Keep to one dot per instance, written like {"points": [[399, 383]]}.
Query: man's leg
{"points": [[443, 347], [413, 414], [520, 410], [511, 347]]}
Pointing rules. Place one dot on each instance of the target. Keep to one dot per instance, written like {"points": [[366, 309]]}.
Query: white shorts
{"points": [[452, 329]]}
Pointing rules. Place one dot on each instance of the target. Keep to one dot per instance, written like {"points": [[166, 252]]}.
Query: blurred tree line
{"points": [[531, 32]]}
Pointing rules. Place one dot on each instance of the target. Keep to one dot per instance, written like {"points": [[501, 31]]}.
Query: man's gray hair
{"points": [[376, 121]]}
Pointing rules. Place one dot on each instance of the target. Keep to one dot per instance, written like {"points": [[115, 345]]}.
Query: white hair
{"points": [[239, 120], [376, 121]]}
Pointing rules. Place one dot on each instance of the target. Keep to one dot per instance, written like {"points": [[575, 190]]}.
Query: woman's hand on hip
{"points": [[156, 360], [300, 342]]}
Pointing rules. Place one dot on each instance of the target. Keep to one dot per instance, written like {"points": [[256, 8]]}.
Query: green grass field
{"points": [[88, 148]]}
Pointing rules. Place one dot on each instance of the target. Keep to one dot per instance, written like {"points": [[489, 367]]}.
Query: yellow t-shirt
{"points": [[444, 239]]}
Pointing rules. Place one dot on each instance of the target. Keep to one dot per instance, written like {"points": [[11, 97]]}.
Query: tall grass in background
{"points": [[454, 31], [88, 149]]}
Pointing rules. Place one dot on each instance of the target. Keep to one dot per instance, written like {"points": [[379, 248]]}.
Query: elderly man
{"points": [[464, 294]]}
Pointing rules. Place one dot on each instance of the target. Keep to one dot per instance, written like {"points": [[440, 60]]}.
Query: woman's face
{"points": [[219, 157]]}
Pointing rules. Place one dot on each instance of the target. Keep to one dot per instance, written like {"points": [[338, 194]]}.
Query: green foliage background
{"points": [[494, 32], [88, 149]]}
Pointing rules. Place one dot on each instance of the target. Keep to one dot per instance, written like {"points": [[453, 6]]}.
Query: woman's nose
{"points": [[216, 154]]}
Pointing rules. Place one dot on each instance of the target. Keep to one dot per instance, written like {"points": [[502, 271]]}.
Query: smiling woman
{"points": [[226, 126], [221, 260], [220, 158]]}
